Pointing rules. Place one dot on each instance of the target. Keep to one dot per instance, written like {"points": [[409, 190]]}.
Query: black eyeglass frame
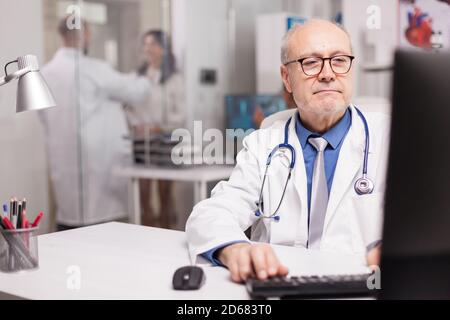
{"points": [[300, 61]]}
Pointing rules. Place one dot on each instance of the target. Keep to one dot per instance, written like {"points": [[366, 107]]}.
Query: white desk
{"points": [[125, 261], [199, 175]]}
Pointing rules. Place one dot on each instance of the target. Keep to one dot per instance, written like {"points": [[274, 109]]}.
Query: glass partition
{"points": [[133, 79]]}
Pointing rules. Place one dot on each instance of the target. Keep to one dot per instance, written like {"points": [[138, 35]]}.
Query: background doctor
{"points": [[85, 133], [216, 226], [162, 112]]}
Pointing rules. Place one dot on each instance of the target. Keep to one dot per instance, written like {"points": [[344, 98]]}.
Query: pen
{"points": [[19, 215], [11, 206], [14, 219], [5, 210], [13, 209], [11, 214], [37, 220], [24, 224], [14, 204], [7, 224], [24, 220]]}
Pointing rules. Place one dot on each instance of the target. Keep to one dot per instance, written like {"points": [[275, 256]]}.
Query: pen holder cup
{"points": [[19, 250]]}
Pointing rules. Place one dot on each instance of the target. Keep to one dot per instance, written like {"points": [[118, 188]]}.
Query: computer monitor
{"points": [[241, 110], [415, 260]]}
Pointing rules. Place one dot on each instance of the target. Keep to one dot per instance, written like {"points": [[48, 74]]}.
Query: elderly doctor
{"points": [[330, 202]]}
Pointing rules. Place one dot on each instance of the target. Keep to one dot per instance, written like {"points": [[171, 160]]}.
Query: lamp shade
{"points": [[33, 93]]}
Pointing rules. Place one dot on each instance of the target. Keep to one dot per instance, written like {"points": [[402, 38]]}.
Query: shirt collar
{"points": [[334, 136]]}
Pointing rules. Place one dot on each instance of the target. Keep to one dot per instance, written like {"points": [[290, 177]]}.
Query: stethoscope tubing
{"points": [[363, 181]]}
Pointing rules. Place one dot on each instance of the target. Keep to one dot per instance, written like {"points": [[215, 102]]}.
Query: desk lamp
{"points": [[33, 92]]}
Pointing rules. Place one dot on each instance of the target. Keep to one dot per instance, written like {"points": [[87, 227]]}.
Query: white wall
{"points": [[23, 169], [221, 36], [150, 14], [374, 46], [269, 34], [243, 79], [206, 31]]}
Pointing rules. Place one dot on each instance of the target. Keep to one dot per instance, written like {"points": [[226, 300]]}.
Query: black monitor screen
{"points": [[416, 242]]}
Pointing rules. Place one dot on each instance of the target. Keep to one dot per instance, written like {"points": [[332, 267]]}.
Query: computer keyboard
{"points": [[310, 287]]}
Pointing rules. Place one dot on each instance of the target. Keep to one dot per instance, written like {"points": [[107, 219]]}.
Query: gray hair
{"points": [[287, 38]]}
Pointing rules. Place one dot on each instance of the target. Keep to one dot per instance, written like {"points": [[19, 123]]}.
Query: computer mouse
{"points": [[188, 278]]}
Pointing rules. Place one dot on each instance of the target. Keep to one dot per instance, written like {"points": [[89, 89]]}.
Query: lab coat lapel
{"points": [[292, 219], [348, 165], [299, 172]]}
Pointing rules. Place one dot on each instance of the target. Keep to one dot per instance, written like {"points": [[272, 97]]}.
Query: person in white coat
{"points": [[163, 111], [85, 133], [321, 208]]}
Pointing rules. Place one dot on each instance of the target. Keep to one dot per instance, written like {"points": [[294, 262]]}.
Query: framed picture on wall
{"points": [[424, 24]]}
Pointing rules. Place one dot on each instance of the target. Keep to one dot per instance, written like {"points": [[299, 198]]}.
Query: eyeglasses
{"points": [[312, 66]]}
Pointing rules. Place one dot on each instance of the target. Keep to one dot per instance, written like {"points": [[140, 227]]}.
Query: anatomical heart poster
{"points": [[425, 24]]}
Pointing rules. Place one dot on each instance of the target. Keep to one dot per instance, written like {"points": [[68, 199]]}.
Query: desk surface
{"points": [[198, 173], [124, 261]]}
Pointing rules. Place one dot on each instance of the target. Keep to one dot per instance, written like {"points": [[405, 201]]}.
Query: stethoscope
{"points": [[362, 186]]}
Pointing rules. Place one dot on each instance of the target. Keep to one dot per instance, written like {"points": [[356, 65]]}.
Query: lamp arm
{"points": [[15, 75]]}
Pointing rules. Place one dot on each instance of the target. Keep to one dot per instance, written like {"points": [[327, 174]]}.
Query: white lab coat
{"points": [[165, 107], [352, 222], [85, 143]]}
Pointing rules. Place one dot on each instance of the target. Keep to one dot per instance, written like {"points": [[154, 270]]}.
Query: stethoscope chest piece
{"points": [[364, 185]]}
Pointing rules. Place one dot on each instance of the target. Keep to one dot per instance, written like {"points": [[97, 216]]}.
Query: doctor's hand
{"points": [[246, 260], [374, 256]]}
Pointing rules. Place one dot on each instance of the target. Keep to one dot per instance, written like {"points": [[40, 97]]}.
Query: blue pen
{"points": [[5, 210]]}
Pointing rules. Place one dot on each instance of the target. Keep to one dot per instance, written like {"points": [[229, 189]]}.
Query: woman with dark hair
{"points": [[159, 55], [163, 112]]}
